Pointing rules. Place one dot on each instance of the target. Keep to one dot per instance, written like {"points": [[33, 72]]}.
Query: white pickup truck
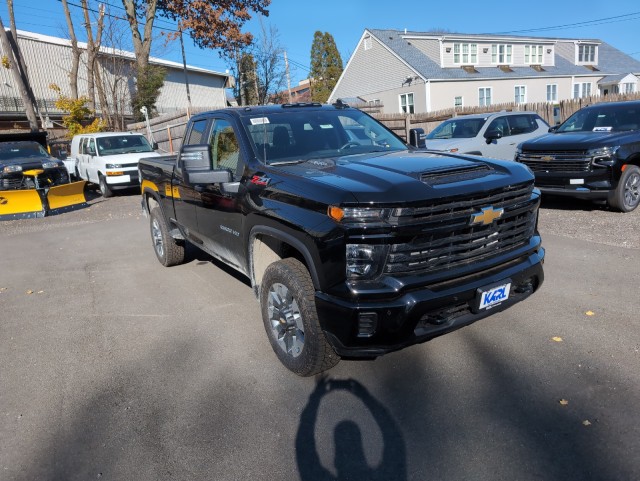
{"points": [[110, 159]]}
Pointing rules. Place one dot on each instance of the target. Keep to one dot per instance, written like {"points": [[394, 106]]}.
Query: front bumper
{"points": [[421, 314], [129, 178], [583, 185]]}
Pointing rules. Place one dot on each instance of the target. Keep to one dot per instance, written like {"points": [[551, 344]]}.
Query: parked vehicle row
{"points": [[594, 154]]}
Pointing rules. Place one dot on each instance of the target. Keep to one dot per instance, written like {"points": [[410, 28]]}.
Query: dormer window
{"points": [[465, 53], [501, 54], [587, 53], [533, 54]]}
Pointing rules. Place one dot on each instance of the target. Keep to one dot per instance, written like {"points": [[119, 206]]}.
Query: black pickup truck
{"points": [[594, 154], [355, 243]]}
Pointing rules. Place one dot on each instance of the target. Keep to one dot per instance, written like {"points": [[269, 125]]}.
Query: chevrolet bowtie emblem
{"points": [[546, 158], [486, 216]]}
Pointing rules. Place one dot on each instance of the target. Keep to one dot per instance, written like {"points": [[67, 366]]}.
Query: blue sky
{"points": [[297, 21]]}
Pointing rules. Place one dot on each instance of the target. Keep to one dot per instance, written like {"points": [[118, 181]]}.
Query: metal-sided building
{"points": [[48, 60]]}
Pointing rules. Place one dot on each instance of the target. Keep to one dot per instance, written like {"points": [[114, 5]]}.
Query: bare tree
{"points": [[93, 48], [20, 80], [270, 66], [75, 52]]}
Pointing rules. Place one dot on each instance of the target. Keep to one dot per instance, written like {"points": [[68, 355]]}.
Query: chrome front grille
{"points": [[556, 161], [446, 239]]}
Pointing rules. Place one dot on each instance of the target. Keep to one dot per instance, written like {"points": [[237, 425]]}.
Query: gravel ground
{"points": [[565, 217]]}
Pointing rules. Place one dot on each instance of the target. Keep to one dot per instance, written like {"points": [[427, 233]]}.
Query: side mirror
{"points": [[154, 146], [195, 160], [417, 138], [553, 129], [492, 135], [91, 150]]}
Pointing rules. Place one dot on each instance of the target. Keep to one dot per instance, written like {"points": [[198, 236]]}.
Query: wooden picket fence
{"points": [[168, 130]]}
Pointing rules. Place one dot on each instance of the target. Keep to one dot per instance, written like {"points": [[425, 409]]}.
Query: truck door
{"points": [[219, 213], [184, 202], [82, 158], [504, 147], [92, 161]]}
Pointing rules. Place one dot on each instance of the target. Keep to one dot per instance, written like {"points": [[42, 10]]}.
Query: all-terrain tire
{"points": [[287, 301], [626, 196], [169, 251]]}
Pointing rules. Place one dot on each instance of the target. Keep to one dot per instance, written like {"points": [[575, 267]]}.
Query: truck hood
{"points": [[29, 162], [407, 176], [448, 144], [128, 158], [578, 140]]}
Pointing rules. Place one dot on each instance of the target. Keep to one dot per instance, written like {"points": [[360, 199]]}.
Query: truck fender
{"points": [[290, 239]]}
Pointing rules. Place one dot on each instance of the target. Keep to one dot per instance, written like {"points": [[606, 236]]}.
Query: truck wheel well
{"points": [[150, 202], [265, 250]]}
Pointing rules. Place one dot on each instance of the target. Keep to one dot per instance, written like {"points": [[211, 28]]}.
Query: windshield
{"points": [[122, 144], [457, 128], [603, 118], [290, 136], [32, 150]]}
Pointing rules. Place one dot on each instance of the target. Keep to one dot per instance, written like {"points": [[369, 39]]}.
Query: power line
{"points": [[587, 23]]}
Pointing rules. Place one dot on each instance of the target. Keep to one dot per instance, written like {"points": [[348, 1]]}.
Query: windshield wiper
{"points": [[287, 162]]}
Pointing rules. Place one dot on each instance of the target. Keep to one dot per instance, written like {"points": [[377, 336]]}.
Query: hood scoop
{"points": [[456, 174]]}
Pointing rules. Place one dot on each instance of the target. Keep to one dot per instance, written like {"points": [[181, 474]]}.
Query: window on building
{"points": [[406, 103], [581, 90], [552, 92], [587, 53], [484, 96], [628, 88], [501, 53], [533, 54], [457, 102], [465, 53], [520, 94], [367, 43]]}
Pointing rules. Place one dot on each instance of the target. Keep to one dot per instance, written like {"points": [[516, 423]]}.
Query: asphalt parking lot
{"points": [[114, 367]]}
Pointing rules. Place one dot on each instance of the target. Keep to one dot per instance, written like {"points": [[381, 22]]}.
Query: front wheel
{"points": [[626, 197], [289, 314], [168, 251], [105, 190]]}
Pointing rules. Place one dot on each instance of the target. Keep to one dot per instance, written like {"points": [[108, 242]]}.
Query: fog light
{"points": [[367, 324]]}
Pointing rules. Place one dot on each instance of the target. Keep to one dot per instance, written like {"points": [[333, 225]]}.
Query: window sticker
{"points": [[326, 126], [259, 121], [602, 129]]}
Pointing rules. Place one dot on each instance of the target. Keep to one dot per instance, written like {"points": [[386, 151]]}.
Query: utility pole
{"points": [[186, 77], [286, 66]]}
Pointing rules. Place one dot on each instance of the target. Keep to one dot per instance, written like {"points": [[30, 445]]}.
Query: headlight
{"points": [[12, 168], [113, 166], [49, 165], [365, 261], [357, 214], [603, 155], [518, 152]]}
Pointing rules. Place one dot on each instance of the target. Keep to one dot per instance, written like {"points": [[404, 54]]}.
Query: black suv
{"points": [[594, 154]]}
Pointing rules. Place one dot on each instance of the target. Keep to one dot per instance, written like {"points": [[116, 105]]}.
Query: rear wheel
{"points": [[105, 190], [168, 251], [626, 197], [289, 314]]}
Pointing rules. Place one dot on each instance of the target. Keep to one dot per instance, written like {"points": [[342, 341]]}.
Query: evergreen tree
{"points": [[326, 66]]}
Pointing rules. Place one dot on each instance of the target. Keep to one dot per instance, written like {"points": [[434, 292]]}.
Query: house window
{"points": [[367, 43], [628, 88], [520, 94], [457, 102], [501, 53], [533, 54], [406, 103], [484, 96], [465, 53], [587, 53], [581, 90], [552, 92]]}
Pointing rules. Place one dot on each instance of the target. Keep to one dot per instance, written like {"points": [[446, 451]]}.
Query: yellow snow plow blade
{"points": [[20, 204], [63, 198]]}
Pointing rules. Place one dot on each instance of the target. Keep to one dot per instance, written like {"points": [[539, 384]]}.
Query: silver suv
{"points": [[494, 135]]}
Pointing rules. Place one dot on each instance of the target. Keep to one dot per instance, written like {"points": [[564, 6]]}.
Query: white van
{"points": [[110, 159]]}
